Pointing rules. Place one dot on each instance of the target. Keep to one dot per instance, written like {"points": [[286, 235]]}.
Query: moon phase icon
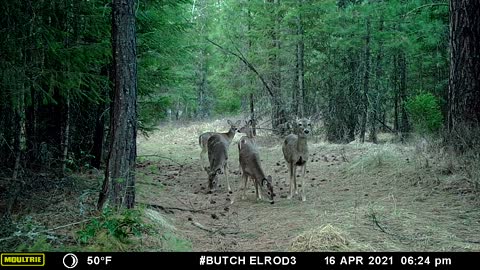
{"points": [[70, 260]]}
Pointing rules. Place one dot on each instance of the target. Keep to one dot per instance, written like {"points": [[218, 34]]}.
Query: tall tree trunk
{"points": [[404, 124], [100, 116], [366, 78], [31, 116], [250, 81], [300, 95], [375, 112], [351, 98], [278, 110], [201, 73], [396, 95], [119, 182], [18, 152], [65, 135], [252, 115], [99, 136], [202, 85], [464, 80]]}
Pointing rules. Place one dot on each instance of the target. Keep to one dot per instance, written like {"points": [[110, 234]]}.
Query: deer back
{"points": [[249, 158], [217, 152]]}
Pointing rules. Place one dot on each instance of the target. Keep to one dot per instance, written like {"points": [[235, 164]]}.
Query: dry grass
{"points": [[323, 239], [387, 197]]}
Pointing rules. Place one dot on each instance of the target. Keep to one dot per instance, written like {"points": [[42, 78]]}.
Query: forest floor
{"points": [[388, 197]]}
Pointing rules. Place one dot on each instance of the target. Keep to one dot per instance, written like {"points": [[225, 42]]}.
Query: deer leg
{"points": [[259, 197], [260, 187], [304, 197], [295, 179], [202, 158], [226, 175], [290, 170], [245, 178]]}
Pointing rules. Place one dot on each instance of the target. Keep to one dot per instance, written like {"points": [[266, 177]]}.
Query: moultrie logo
{"points": [[22, 259]]}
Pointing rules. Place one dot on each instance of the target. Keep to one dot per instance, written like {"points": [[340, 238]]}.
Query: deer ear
{"points": [[229, 122], [250, 122], [238, 122]]}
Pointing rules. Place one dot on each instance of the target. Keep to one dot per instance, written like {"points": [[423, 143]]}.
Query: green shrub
{"points": [[424, 112], [118, 225], [39, 244]]}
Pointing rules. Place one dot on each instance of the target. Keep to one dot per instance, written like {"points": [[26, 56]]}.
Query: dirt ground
{"points": [[389, 197]]}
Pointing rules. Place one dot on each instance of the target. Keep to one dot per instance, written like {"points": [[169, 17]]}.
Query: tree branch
{"points": [[385, 125], [424, 6], [246, 62]]}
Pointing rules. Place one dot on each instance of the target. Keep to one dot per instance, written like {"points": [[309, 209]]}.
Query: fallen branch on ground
{"points": [[169, 209], [155, 155], [49, 230], [221, 231], [166, 208], [400, 237], [200, 226]]}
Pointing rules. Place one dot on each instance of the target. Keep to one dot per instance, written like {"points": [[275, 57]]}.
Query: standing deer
{"points": [[295, 151], [203, 138], [250, 165], [217, 146], [248, 131]]}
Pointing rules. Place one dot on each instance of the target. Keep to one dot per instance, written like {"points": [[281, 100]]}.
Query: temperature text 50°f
{"points": [[96, 260]]}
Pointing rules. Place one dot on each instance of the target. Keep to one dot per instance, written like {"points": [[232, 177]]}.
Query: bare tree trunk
{"points": [[352, 97], [252, 96], [375, 112], [103, 112], [300, 64], [31, 116], [372, 136], [98, 138], [252, 115], [18, 151], [278, 110], [395, 90], [464, 81], [201, 73], [366, 77], [202, 85], [404, 124], [119, 183], [66, 135]]}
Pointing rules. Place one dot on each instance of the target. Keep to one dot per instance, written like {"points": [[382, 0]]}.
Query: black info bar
{"points": [[241, 260]]}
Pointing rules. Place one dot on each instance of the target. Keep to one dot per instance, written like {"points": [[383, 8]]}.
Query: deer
{"points": [[203, 138], [249, 135], [251, 168], [248, 131], [295, 152], [217, 146]]}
